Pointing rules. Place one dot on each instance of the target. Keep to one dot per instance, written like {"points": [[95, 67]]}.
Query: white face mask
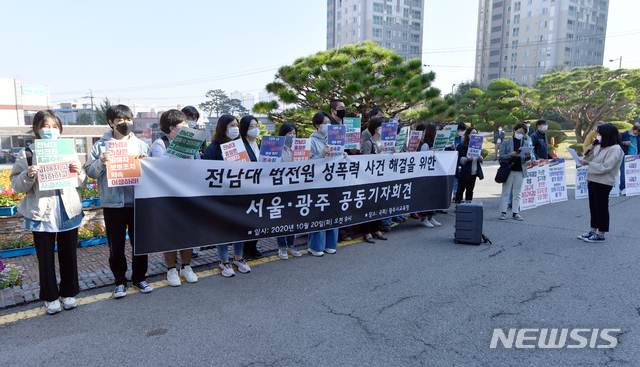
{"points": [[599, 138], [461, 134], [192, 124], [325, 128], [519, 136], [378, 131], [500, 129], [253, 132], [544, 127], [233, 133]]}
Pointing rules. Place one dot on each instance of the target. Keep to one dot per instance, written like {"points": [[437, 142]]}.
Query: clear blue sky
{"points": [[173, 52]]}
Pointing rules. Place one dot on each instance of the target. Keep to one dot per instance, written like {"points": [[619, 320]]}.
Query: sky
{"points": [[170, 53]]}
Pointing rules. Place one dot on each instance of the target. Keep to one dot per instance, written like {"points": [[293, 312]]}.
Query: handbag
{"points": [[503, 173]]}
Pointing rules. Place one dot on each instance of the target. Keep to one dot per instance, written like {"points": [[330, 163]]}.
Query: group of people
{"points": [[54, 216]]}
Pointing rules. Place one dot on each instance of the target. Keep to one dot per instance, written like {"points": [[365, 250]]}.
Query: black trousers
{"points": [[599, 205], [44, 243], [370, 227], [117, 221], [467, 186]]}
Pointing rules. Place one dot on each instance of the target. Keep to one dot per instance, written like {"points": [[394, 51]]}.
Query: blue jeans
{"points": [[387, 222], [455, 186], [285, 241], [622, 183], [318, 241], [399, 218], [223, 250]]}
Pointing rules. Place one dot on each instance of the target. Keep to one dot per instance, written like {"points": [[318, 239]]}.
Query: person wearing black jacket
{"points": [[249, 131], [539, 140], [468, 168]]}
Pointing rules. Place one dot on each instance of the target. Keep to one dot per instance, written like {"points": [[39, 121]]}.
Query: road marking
{"points": [[23, 315]]}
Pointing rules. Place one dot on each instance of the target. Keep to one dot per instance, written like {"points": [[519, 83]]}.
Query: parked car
{"points": [[3, 156], [14, 154]]}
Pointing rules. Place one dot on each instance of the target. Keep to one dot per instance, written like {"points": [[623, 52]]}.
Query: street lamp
{"points": [[619, 58], [93, 112]]}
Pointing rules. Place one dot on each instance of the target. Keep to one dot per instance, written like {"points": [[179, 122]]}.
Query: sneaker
{"points": [[435, 222], [414, 216], [330, 250], [188, 274], [144, 287], [502, 216], [293, 252], [282, 253], [518, 217], [69, 302], [392, 225], [623, 192], [586, 235], [427, 223], [53, 307], [120, 291], [316, 253], [173, 278], [195, 253], [242, 266], [227, 271], [596, 237]]}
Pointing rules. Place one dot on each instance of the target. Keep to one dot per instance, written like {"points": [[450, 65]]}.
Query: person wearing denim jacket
{"points": [[509, 154], [118, 201]]}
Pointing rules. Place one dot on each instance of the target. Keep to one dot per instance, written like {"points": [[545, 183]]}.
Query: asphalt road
{"points": [[417, 299]]}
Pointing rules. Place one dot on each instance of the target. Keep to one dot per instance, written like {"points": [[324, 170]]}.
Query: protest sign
{"points": [[186, 143], [258, 200], [557, 180], [529, 192], [271, 149], [414, 140], [53, 157], [300, 150], [352, 133], [441, 140], [632, 175], [475, 146], [235, 151], [388, 134], [402, 137], [336, 139], [542, 186], [123, 168], [451, 130], [582, 189]]}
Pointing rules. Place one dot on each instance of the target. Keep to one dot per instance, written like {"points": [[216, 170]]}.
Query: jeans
{"points": [[455, 185], [496, 150], [399, 218], [285, 241], [599, 205], [319, 241], [513, 182], [117, 222], [387, 222], [223, 250], [44, 243], [622, 183]]}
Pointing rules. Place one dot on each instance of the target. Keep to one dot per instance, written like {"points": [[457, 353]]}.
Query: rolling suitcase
{"points": [[469, 223]]}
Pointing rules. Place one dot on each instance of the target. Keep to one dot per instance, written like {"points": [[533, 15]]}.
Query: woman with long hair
{"points": [[468, 168]]}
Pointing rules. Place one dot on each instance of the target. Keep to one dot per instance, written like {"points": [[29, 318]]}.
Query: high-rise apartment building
{"points": [[521, 40], [393, 24]]}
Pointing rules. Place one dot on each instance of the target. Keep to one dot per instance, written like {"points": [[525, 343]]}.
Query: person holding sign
{"points": [[322, 241], [469, 168], [52, 216], [170, 123], [118, 200], [227, 130], [510, 154], [286, 243], [428, 138], [249, 132], [603, 162]]}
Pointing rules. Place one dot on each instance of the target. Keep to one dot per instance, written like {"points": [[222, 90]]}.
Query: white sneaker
{"points": [[282, 253], [188, 274], [316, 253], [120, 291], [330, 250], [293, 252], [69, 302], [242, 266], [623, 192], [227, 270], [53, 307], [427, 223], [435, 222], [173, 278]]}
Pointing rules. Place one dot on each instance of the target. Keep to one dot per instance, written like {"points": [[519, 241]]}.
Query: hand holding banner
{"points": [[352, 133], [389, 133], [271, 149], [235, 151], [186, 143], [53, 156], [475, 146], [300, 150], [123, 168], [336, 139]]}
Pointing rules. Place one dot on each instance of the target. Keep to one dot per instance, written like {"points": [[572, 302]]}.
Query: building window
{"points": [[514, 56], [497, 17], [543, 37], [339, 38], [494, 53], [528, 14], [494, 64], [339, 14], [405, 12], [388, 34], [495, 40], [377, 7], [525, 66], [542, 51], [389, 9], [81, 145], [405, 24], [388, 45], [416, 14], [516, 19], [415, 38], [377, 19], [496, 29], [339, 26], [390, 22], [415, 26], [405, 48], [415, 50], [514, 45], [516, 31], [377, 32], [544, 24], [330, 25], [545, 11], [526, 53], [417, 3], [528, 28], [516, 6], [329, 36], [506, 57], [405, 37]]}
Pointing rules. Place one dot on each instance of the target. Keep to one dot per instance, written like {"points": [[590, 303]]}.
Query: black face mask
{"points": [[124, 128], [341, 113]]}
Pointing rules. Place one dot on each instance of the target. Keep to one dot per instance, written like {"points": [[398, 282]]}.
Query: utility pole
{"points": [[93, 111]]}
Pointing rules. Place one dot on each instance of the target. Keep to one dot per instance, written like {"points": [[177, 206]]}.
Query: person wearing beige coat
{"points": [[603, 161]]}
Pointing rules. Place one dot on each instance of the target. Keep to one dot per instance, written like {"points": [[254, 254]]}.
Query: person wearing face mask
{"points": [[52, 216], [338, 113], [286, 244], [118, 201], [530, 130], [192, 120], [170, 123], [498, 138], [510, 154], [227, 129], [603, 161], [462, 127], [630, 144], [539, 140], [468, 168], [322, 241]]}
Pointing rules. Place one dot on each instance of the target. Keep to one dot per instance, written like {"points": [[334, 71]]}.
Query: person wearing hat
{"points": [[591, 136]]}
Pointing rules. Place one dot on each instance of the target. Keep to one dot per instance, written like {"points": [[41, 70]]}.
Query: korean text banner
{"points": [[182, 204]]}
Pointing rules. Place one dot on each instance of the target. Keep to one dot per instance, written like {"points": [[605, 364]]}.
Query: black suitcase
{"points": [[469, 223]]}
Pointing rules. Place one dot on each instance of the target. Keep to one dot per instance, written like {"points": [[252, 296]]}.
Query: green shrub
{"points": [[554, 125], [558, 136], [484, 127], [578, 148], [622, 126], [484, 153]]}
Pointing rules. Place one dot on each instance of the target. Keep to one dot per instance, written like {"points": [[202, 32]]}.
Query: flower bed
{"points": [[92, 236], [10, 275], [17, 246]]}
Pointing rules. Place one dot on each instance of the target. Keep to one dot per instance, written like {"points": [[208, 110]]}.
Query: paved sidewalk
{"points": [[94, 272]]}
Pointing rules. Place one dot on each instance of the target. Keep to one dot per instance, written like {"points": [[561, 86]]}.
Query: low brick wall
{"points": [[12, 226]]}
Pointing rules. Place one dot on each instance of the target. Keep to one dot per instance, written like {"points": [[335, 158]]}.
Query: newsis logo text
{"points": [[555, 338]]}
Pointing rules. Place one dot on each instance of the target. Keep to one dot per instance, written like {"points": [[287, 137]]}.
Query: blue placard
{"points": [[337, 135], [271, 148]]}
